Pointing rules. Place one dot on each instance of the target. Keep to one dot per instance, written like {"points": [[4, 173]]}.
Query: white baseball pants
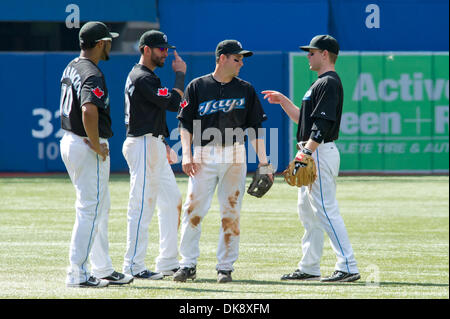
{"points": [[319, 211], [152, 183], [226, 169], [90, 176]]}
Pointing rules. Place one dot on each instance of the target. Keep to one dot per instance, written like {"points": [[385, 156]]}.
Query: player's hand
{"points": [[269, 174], [100, 149], [178, 65], [274, 97], [190, 168], [171, 155], [299, 157]]}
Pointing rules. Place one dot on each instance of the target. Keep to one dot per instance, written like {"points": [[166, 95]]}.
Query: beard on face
{"points": [[105, 55], [158, 61]]}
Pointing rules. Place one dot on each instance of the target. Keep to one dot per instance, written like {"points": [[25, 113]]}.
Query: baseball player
{"points": [[152, 182], [215, 104], [85, 118], [318, 122]]}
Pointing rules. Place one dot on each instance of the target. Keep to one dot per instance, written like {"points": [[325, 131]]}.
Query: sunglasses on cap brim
{"points": [[159, 48]]}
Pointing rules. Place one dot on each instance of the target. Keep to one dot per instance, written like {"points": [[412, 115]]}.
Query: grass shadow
{"points": [[182, 288], [318, 283], [421, 284], [298, 282]]}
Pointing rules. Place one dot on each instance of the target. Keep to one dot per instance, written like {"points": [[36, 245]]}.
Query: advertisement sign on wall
{"points": [[396, 110]]}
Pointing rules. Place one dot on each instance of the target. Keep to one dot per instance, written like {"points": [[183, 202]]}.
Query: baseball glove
{"points": [[261, 182], [301, 171]]}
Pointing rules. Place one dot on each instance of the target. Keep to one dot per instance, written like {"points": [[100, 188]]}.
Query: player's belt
{"points": [[160, 136]]}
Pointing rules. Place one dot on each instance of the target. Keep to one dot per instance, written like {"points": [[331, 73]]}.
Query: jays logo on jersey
{"points": [[225, 105]]}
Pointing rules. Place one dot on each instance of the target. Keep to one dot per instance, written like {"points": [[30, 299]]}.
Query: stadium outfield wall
{"points": [[262, 25], [395, 110], [283, 25], [30, 119]]}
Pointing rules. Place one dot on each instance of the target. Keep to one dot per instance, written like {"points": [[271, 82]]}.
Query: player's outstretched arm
{"points": [[275, 97], [179, 67]]}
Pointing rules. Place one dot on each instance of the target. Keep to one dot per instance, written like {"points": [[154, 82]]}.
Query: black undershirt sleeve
{"points": [[320, 129]]}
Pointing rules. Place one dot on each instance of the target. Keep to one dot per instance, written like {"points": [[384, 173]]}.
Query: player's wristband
{"points": [[179, 80], [266, 169], [307, 151]]}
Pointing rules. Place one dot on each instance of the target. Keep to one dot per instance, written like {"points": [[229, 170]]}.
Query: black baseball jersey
{"points": [[323, 100], [220, 105], [82, 82], [146, 102]]}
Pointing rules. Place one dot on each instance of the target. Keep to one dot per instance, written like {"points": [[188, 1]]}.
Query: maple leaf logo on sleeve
{"points": [[183, 104], [163, 91], [98, 92]]}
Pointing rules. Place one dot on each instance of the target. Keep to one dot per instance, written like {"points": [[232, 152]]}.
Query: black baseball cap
{"points": [[323, 42], [94, 31], [155, 39], [231, 47]]}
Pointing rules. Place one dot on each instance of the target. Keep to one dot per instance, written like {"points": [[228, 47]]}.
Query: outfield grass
{"points": [[398, 226]]}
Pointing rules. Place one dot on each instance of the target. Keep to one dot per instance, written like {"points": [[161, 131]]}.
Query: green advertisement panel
{"points": [[396, 110]]}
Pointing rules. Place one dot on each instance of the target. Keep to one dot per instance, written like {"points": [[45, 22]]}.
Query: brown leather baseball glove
{"points": [[301, 171]]}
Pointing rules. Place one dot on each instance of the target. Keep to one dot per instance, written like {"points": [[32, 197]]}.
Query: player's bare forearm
{"points": [[260, 149], [312, 145], [275, 97], [291, 110], [90, 123], [186, 142], [189, 167], [171, 155]]}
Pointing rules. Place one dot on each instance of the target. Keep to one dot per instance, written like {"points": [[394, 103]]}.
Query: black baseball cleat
{"points": [[92, 282], [149, 275], [224, 276], [298, 275], [117, 278], [340, 276], [185, 273], [170, 272]]}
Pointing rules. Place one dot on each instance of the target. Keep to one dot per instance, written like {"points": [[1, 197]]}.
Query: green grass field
{"points": [[398, 226]]}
